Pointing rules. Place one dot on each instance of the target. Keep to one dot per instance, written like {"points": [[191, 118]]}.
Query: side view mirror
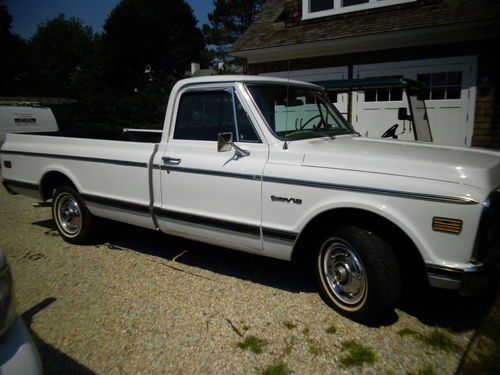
{"points": [[225, 143], [403, 114], [391, 132]]}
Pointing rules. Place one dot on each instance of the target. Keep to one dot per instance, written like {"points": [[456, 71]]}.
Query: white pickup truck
{"points": [[269, 166]]}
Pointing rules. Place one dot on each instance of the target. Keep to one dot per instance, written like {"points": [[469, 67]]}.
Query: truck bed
{"points": [[106, 166]]}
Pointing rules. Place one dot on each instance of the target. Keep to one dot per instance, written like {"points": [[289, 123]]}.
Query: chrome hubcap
{"points": [[68, 214], [344, 272]]}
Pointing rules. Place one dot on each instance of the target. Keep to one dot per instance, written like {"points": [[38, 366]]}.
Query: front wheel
{"points": [[72, 217], [358, 274]]}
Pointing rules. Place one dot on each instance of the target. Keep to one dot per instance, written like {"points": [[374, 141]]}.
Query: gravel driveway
{"points": [[140, 302]]}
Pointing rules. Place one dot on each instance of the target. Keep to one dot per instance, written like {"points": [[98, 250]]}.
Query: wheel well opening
{"points": [[410, 261], [51, 181]]}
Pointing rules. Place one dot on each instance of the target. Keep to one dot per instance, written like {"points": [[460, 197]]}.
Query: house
{"points": [[450, 45]]}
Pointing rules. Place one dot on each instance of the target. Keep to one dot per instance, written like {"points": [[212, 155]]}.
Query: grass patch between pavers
{"points": [[440, 340], [426, 370], [437, 339], [358, 356], [407, 332], [315, 348], [277, 369], [253, 344], [331, 330]]}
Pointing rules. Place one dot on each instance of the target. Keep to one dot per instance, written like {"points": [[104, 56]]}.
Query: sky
{"points": [[28, 14]]}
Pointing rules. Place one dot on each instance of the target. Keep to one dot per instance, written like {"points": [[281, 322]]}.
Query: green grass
{"points": [[437, 340], [331, 330], [289, 344], [427, 370], [407, 332], [290, 325], [440, 341], [276, 369], [306, 331], [253, 344], [358, 356], [315, 347]]}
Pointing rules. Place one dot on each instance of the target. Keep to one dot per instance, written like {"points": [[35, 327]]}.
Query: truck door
{"points": [[206, 194]]}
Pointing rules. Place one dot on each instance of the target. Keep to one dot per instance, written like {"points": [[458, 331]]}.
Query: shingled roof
{"points": [[280, 24]]}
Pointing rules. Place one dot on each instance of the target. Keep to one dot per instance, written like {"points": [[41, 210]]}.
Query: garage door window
{"points": [[384, 95], [440, 86]]}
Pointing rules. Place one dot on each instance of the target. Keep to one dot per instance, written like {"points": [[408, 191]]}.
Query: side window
{"points": [[203, 115], [245, 128]]}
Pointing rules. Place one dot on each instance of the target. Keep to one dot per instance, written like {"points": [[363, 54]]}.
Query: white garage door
{"points": [[317, 75], [450, 98]]}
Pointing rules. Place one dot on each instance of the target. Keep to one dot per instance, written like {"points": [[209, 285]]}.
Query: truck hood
{"points": [[470, 166]]}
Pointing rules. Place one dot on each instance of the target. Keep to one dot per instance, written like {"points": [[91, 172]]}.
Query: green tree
{"points": [[228, 22], [62, 53], [149, 41], [13, 58]]}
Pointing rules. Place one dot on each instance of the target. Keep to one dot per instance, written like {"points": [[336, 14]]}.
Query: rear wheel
{"points": [[358, 274], [71, 215]]}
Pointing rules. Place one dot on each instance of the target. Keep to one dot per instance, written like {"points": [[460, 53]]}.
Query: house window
{"points": [[319, 5], [439, 86], [322, 8]]}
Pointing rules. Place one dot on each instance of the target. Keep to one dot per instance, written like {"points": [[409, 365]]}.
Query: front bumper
{"points": [[469, 281], [18, 353]]}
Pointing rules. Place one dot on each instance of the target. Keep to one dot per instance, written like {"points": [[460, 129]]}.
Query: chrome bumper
{"points": [[469, 281]]}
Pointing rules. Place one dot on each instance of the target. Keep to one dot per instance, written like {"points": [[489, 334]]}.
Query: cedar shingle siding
{"points": [[472, 28]]}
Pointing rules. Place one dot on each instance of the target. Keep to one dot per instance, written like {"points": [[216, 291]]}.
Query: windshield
{"points": [[298, 112]]}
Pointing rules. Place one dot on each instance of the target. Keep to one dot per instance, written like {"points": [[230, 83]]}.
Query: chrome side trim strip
{"points": [[80, 158], [369, 190], [20, 184], [208, 221], [281, 235], [115, 203], [172, 168]]}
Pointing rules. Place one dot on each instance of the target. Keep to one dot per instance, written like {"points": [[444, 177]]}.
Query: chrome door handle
{"points": [[169, 160]]}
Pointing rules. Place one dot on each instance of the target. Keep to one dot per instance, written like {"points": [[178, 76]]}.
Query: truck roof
{"points": [[245, 79]]}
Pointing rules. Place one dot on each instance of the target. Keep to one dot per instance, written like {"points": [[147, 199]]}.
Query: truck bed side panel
{"points": [[111, 176]]}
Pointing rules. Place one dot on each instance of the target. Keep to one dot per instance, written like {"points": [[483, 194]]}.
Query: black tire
{"points": [[358, 274], [73, 220]]}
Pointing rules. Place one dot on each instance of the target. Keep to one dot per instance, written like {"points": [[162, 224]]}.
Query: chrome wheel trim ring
{"points": [[344, 272], [69, 216]]}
